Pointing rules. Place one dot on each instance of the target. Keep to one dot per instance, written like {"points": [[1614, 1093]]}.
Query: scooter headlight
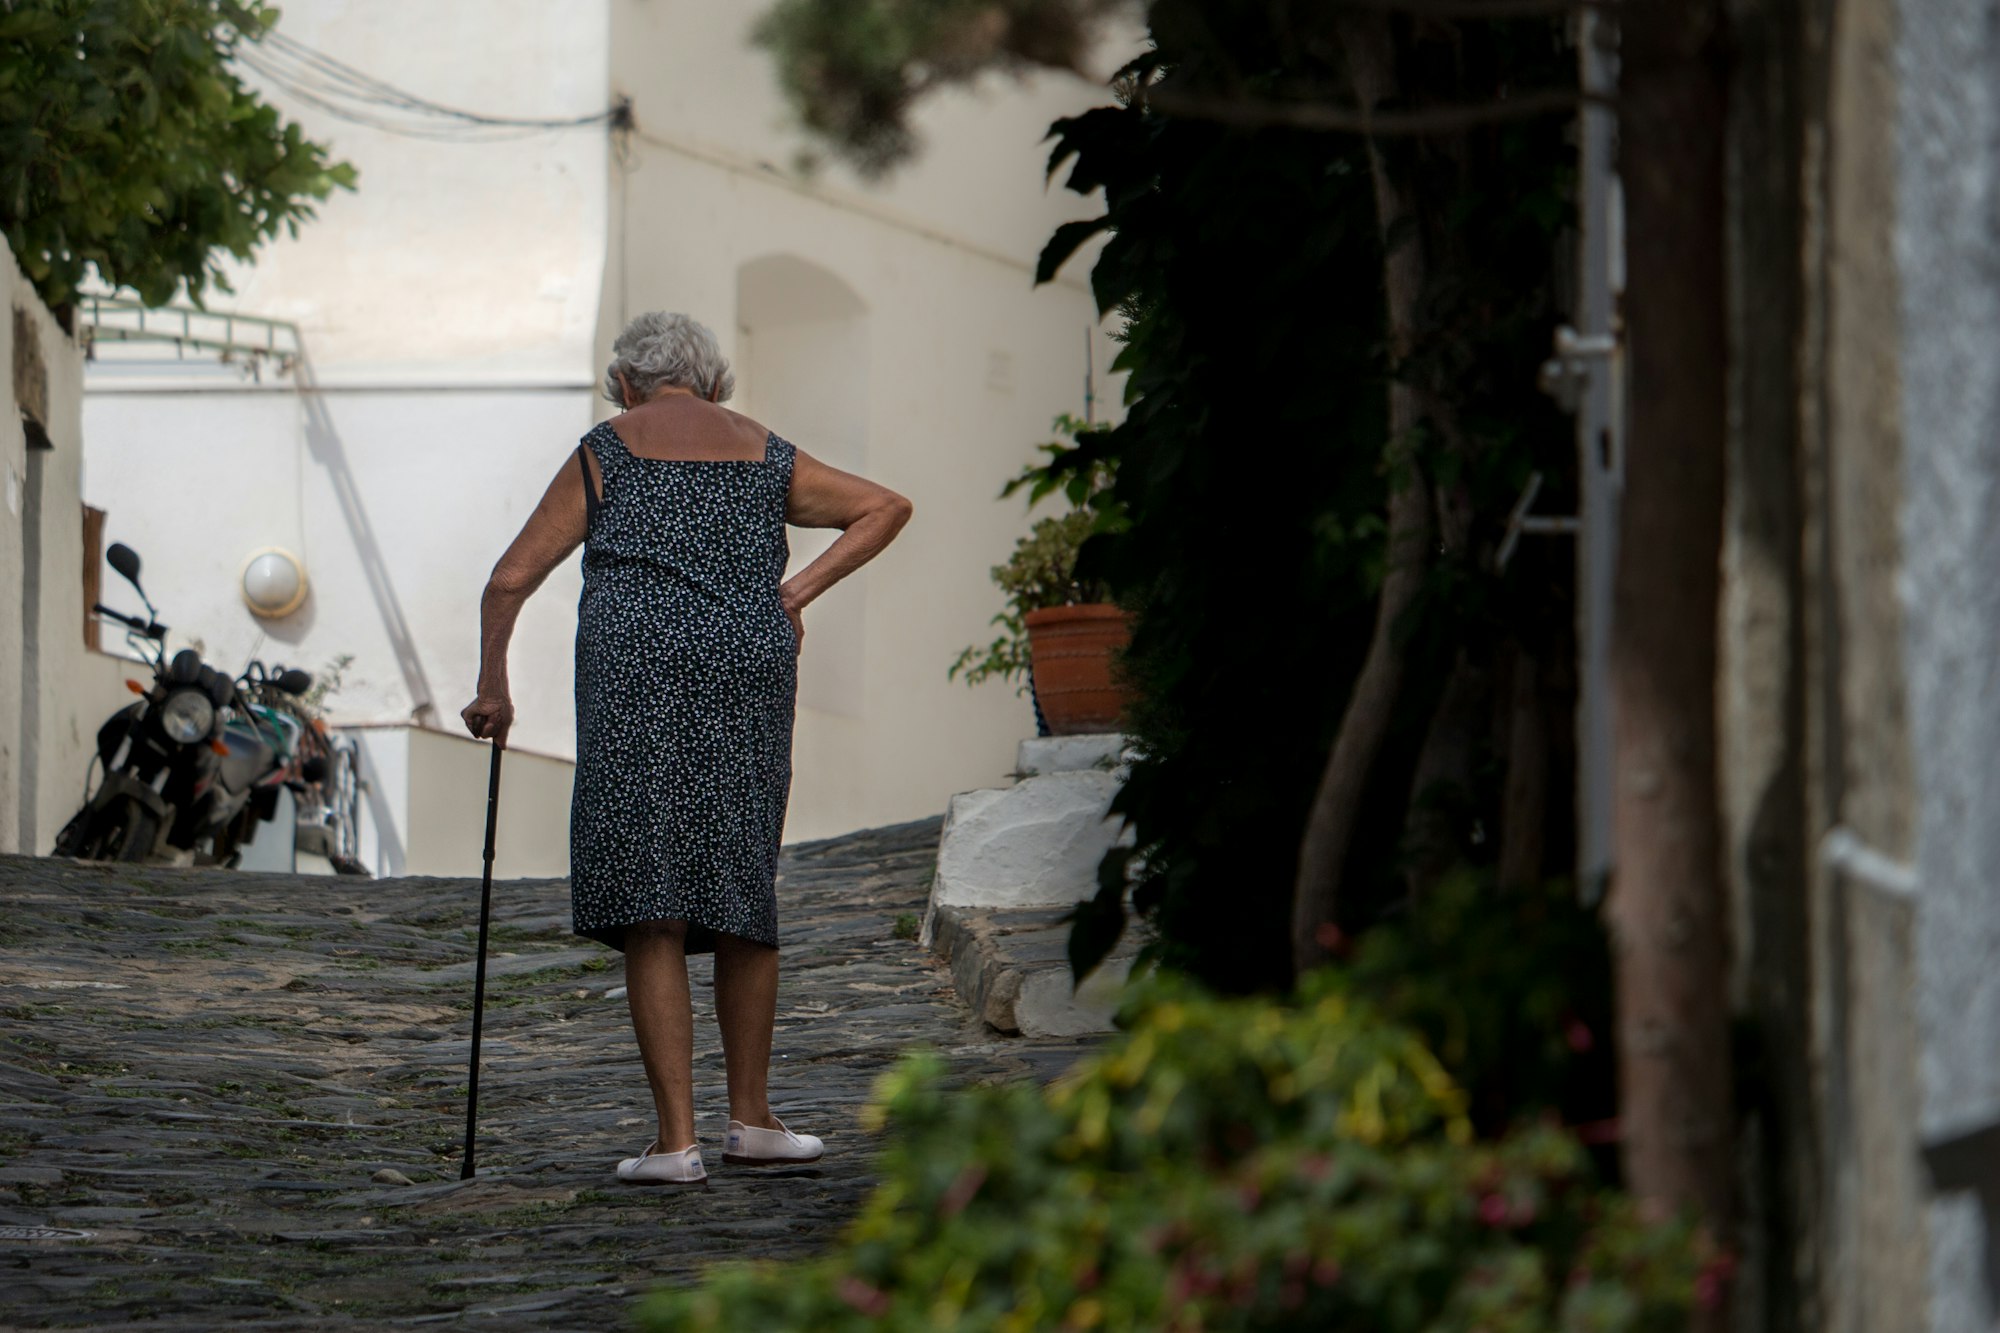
{"points": [[187, 716]]}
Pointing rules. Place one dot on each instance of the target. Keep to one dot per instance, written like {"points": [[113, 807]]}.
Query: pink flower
{"points": [[1493, 1210], [1714, 1280], [961, 1191], [1599, 1131], [1578, 1035], [865, 1299]]}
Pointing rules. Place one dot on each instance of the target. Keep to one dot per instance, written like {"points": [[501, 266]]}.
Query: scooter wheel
{"points": [[70, 841], [122, 831]]}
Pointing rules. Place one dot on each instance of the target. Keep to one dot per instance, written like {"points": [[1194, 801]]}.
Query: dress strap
{"points": [[782, 454], [591, 502]]}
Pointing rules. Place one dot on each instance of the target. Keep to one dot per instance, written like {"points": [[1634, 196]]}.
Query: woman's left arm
{"points": [[552, 532]]}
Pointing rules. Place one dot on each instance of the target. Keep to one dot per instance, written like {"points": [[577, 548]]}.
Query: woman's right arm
{"points": [[552, 532]]}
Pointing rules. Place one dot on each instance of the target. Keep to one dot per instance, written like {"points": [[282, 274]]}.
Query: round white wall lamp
{"points": [[273, 582]]}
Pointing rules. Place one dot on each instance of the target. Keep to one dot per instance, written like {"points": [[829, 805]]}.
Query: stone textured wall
{"points": [[1948, 149]]}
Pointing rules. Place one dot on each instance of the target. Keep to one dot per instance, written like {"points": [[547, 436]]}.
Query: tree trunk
{"points": [[1434, 836], [1667, 909], [1329, 830], [1524, 800], [1433, 839]]}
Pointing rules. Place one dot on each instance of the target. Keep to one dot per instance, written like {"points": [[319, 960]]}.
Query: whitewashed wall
{"points": [[195, 479], [427, 806], [448, 309]]}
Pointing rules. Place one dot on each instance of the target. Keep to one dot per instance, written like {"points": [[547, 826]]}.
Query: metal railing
{"points": [[124, 320]]}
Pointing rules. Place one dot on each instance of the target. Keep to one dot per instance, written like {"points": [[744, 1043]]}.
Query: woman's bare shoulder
{"points": [[748, 425]]}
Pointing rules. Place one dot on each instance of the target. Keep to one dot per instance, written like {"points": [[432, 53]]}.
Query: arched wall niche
{"points": [[802, 370]]}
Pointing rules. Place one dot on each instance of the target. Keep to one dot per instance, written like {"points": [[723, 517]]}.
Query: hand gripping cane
{"points": [[479, 975]]}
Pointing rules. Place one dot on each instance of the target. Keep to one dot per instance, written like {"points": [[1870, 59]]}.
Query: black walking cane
{"points": [[479, 975]]}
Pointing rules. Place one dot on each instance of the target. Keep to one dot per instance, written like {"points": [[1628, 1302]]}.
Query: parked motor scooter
{"points": [[194, 765]]}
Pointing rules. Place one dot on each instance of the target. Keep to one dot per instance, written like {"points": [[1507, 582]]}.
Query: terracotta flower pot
{"points": [[1069, 652]]}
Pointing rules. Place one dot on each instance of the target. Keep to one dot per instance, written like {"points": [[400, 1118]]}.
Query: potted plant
{"points": [[1061, 633]]}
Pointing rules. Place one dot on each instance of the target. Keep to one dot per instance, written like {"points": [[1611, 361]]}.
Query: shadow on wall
{"points": [[802, 367], [323, 439], [1967, 1162]]}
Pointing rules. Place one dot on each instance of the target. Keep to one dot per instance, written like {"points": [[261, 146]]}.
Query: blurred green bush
{"points": [[1222, 1164]]}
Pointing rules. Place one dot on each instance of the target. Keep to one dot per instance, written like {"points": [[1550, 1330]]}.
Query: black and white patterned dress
{"points": [[686, 681]]}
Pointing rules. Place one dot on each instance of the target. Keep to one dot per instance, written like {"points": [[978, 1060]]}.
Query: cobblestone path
{"points": [[206, 1071]]}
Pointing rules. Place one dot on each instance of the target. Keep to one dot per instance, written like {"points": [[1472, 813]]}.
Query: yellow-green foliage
{"points": [[1223, 1164]]}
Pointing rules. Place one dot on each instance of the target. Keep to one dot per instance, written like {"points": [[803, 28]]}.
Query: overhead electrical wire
{"points": [[353, 95]]}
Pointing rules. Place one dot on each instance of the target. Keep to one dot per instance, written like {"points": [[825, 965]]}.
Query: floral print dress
{"points": [[686, 684]]}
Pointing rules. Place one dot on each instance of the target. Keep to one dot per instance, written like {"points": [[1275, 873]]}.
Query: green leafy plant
{"points": [[326, 682], [1512, 989], [1223, 1164], [129, 146], [1258, 464], [1042, 570]]}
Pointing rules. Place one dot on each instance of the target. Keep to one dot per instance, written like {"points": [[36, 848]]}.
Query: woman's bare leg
{"points": [[656, 988], [746, 1007]]}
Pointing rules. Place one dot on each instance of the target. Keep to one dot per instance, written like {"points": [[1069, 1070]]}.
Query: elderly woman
{"points": [[687, 642]]}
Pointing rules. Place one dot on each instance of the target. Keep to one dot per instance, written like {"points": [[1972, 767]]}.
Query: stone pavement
{"points": [[214, 1074]]}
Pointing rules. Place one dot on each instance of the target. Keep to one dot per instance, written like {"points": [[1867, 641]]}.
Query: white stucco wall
{"points": [[1949, 258], [448, 308], [195, 480], [427, 806], [452, 262]]}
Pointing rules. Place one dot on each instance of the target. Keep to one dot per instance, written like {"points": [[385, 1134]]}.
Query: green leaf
{"points": [[1097, 923], [1064, 243]]}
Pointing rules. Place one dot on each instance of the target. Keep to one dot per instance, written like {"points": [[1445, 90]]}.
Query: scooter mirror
{"points": [[125, 560], [295, 681]]}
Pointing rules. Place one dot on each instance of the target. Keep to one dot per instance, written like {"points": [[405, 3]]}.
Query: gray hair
{"points": [[658, 349]]}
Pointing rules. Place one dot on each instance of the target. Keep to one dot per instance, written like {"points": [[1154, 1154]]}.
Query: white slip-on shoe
{"points": [[664, 1168], [746, 1145]]}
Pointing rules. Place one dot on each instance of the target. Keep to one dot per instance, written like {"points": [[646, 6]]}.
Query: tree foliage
{"points": [[1255, 464], [129, 146], [855, 68]]}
